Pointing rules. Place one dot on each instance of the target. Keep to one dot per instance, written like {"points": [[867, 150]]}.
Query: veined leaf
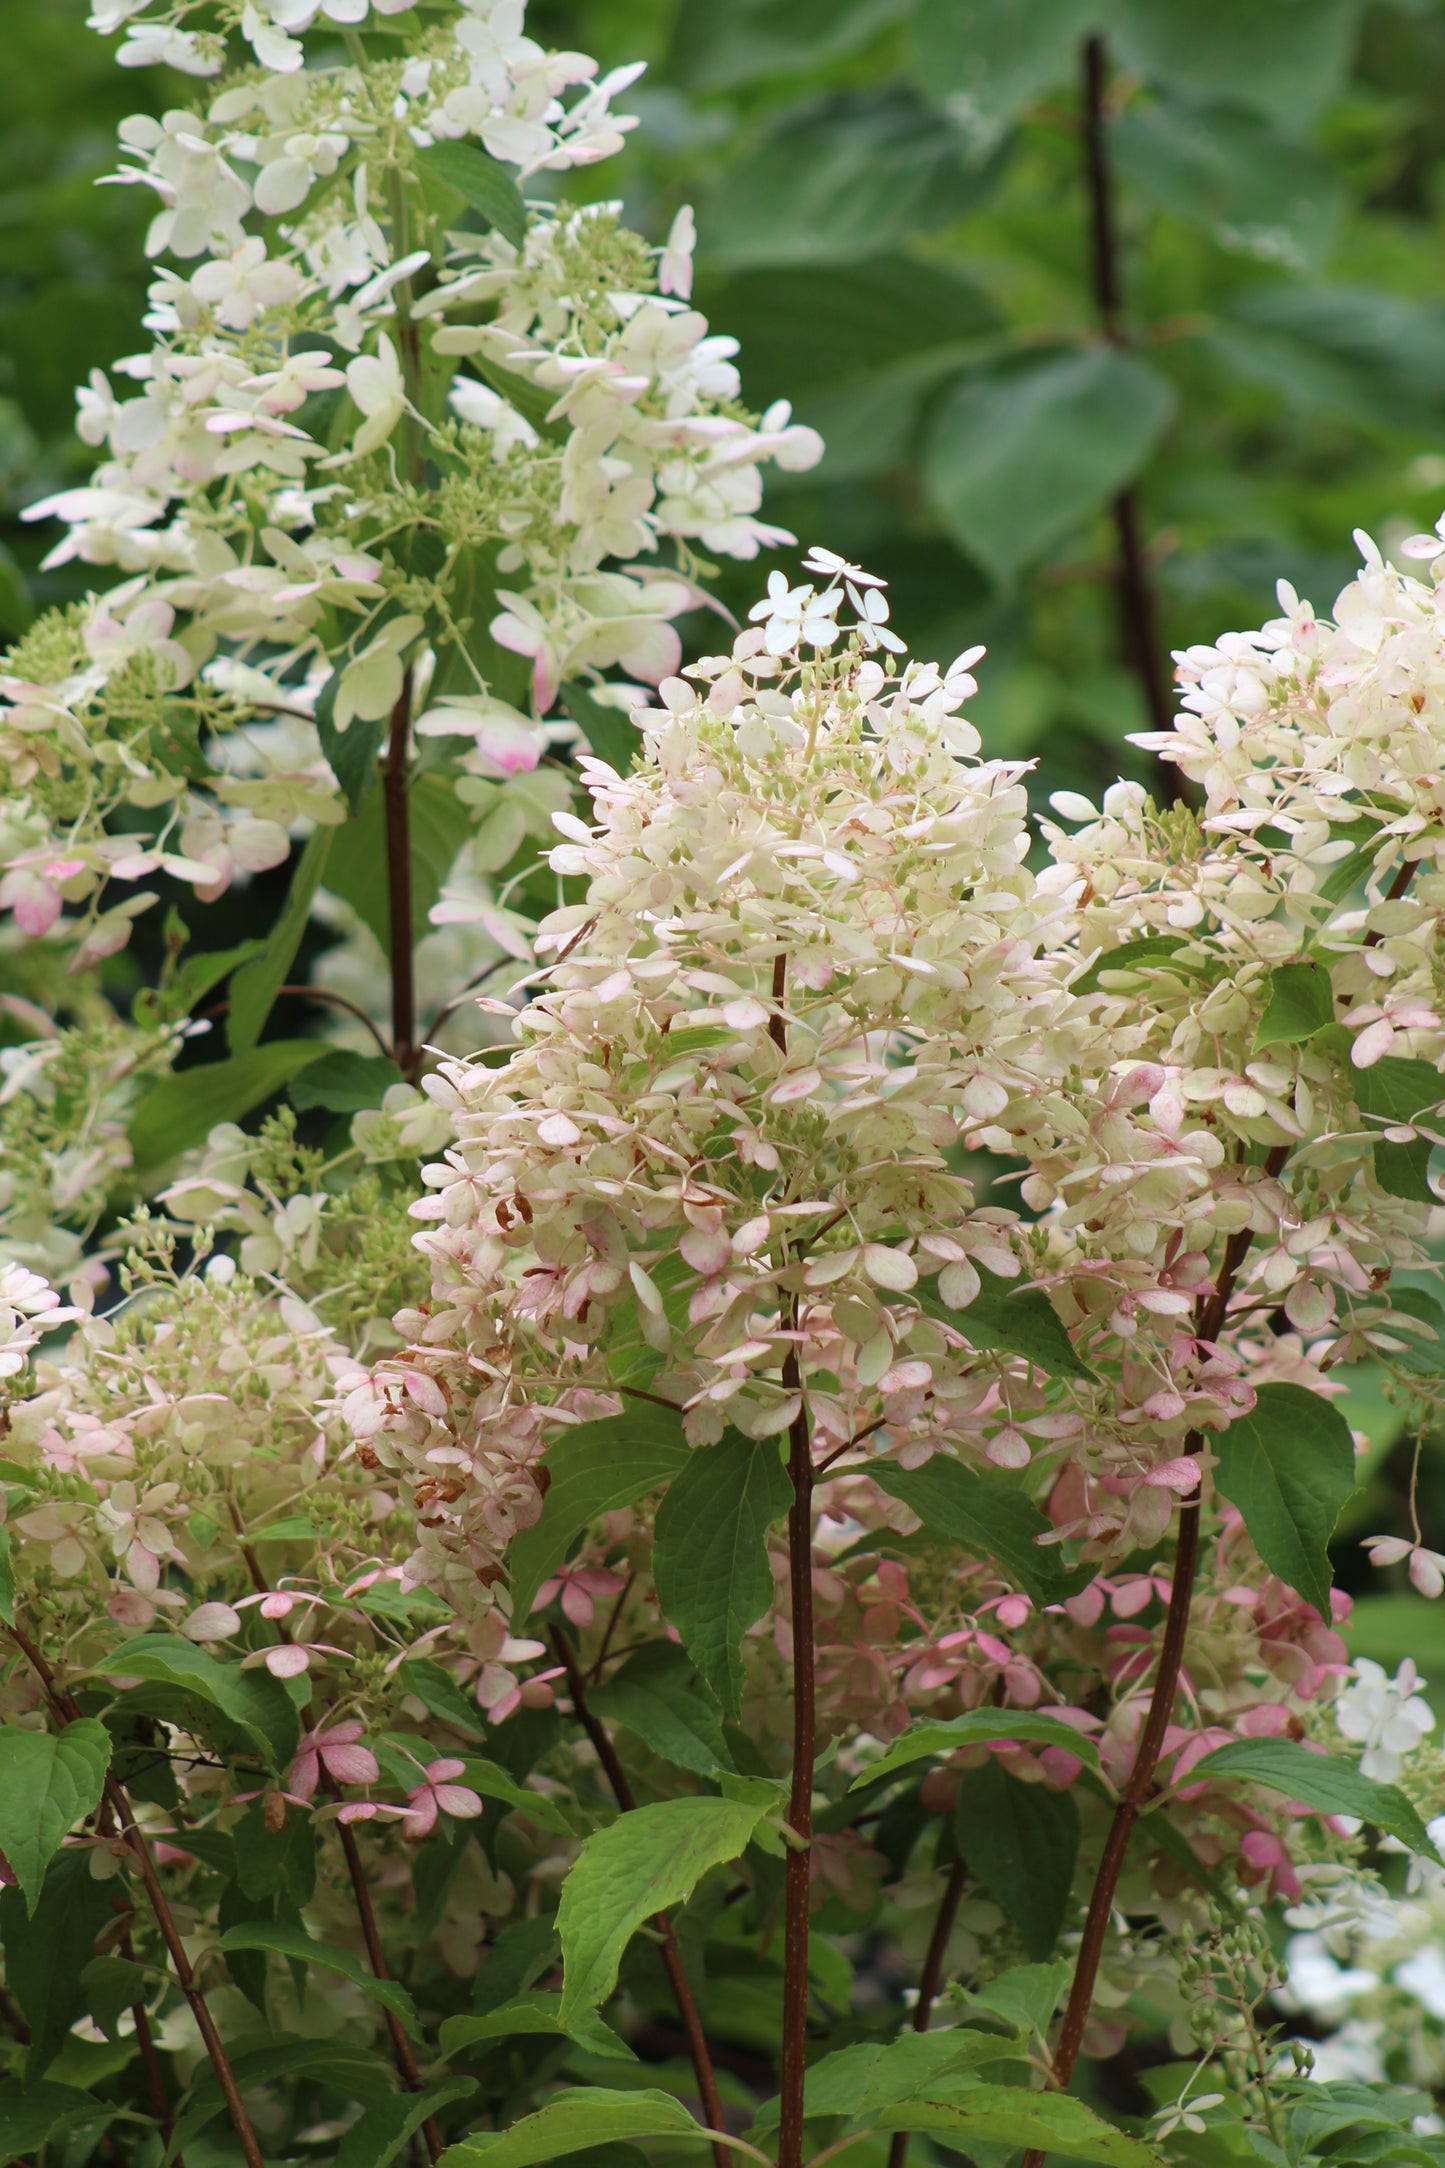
{"points": [[1007, 2115], [1325, 1782], [1289, 1466], [593, 1469], [1015, 1320], [986, 1517], [252, 1699], [48, 1947], [182, 1109], [31, 2115], [344, 1082], [608, 732], [1301, 1002], [380, 2132], [1398, 1092], [857, 2081], [1150, 952], [657, 1694], [646, 1861], [572, 2121], [282, 1939], [979, 1727], [1022, 1843], [533, 2013], [49, 1782], [710, 1557], [487, 186]]}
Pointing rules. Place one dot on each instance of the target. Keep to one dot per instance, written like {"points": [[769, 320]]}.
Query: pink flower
{"points": [[578, 1585], [335, 1751], [439, 1792]]}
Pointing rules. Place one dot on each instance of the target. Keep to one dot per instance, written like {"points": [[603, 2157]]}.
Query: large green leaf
{"points": [[1325, 1782], [646, 1861], [344, 1083], [986, 62], [594, 1469], [710, 1554], [1007, 2116], [932, 1736], [657, 1694], [283, 1939], [1018, 460], [1394, 1091], [835, 180], [253, 1700], [49, 1782], [1300, 1003], [857, 2081], [573, 2121], [182, 1110], [1022, 1842], [357, 2073], [1289, 1466], [535, 2013], [717, 48], [32, 2114], [1285, 58], [46, 1954], [1015, 1319], [1368, 355], [487, 186], [1230, 171], [1149, 952], [380, 2132], [987, 1517], [254, 987]]}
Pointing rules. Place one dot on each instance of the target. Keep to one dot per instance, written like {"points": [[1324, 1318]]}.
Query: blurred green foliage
{"points": [[894, 219]]}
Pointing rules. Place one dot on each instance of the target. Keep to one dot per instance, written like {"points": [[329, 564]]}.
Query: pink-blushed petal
{"points": [[349, 1764], [458, 1799], [288, 1662]]}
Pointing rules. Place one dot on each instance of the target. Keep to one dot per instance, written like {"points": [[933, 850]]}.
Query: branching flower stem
{"points": [[116, 1809], [698, 2052], [1161, 1701]]}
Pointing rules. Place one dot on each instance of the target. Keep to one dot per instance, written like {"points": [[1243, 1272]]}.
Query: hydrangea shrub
{"points": [[698, 1519]]}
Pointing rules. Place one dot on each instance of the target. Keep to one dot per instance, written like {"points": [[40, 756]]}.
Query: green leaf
{"points": [[356, 2073], [710, 1553], [988, 1518], [351, 754], [282, 1938], [380, 2132], [182, 1110], [1400, 1092], [110, 1986], [607, 730], [31, 2115], [439, 1692], [1231, 172], [1150, 952], [438, 824], [196, 975], [1015, 1319], [838, 179], [857, 2081], [1374, 357], [985, 63], [7, 1579], [858, 346], [1008, 2116], [494, 1783], [45, 1956], [646, 1861], [255, 985], [1422, 1355], [657, 1694], [978, 1727], [594, 1469], [255, 1701], [1026, 1996], [345, 1082], [719, 48], [49, 1782], [486, 186], [1022, 1842], [17, 612], [1289, 1466], [534, 2013], [1019, 460], [573, 2120], [1284, 58], [1301, 1002], [1325, 1782]]}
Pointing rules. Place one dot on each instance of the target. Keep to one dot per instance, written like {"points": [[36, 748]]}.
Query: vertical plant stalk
{"points": [[116, 1804], [394, 786], [931, 1978], [1208, 1326], [1138, 615], [798, 1871], [401, 2048], [698, 2051]]}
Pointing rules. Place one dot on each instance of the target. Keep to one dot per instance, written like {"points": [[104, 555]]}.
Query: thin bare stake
{"points": [[798, 1871], [931, 1978], [396, 799]]}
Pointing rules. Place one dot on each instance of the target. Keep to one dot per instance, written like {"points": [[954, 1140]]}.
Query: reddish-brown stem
{"points": [[117, 1807], [777, 1029], [151, 2064], [798, 1871], [699, 2054], [394, 788], [1138, 616], [401, 2048], [610, 1628], [931, 1977], [1209, 1325]]}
